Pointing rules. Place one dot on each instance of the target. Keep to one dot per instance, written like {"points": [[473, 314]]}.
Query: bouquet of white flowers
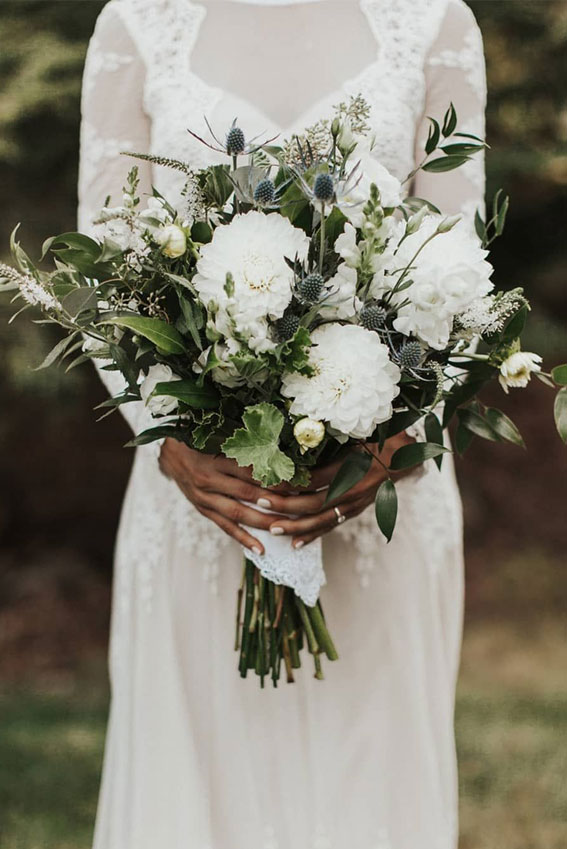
{"points": [[298, 308]]}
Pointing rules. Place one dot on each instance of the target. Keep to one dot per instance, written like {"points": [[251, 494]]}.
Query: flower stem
{"points": [[322, 235]]}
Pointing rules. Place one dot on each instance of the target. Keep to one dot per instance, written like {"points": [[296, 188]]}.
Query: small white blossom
{"points": [[309, 433], [34, 294], [517, 369], [354, 193], [341, 301], [226, 373], [353, 385], [172, 240], [158, 404], [346, 247]]}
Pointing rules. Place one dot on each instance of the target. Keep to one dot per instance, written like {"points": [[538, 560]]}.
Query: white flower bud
{"points": [[309, 433], [448, 223], [416, 220], [172, 240], [517, 369], [346, 141]]}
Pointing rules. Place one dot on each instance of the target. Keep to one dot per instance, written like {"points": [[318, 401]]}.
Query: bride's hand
{"points": [[215, 486], [317, 518]]}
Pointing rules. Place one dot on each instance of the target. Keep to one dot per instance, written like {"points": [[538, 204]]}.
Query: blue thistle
{"points": [[287, 327], [310, 288], [235, 141], [324, 188], [372, 316], [410, 354], [265, 192]]}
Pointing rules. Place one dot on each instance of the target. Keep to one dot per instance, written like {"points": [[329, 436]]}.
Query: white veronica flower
{"points": [[354, 381], [158, 404], [516, 371], [252, 248], [342, 301], [354, 193], [448, 274]]}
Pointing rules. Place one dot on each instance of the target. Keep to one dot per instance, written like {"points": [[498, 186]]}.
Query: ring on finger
{"points": [[340, 516]]}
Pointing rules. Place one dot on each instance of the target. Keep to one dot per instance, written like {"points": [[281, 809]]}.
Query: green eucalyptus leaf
{"points": [[445, 163], [164, 336], [463, 439], [560, 413], [473, 421], [433, 137], [559, 375], [413, 455], [504, 427], [353, 470], [449, 122], [434, 434], [386, 508], [257, 445]]}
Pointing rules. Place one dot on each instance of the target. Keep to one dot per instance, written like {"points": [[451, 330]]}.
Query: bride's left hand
{"points": [[317, 518]]}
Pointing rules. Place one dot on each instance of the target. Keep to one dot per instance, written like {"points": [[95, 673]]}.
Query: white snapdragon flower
{"points": [[354, 193], [346, 247], [342, 301], [449, 273], [517, 369], [162, 405], [172, 240], [252, 248], [353, 385]]}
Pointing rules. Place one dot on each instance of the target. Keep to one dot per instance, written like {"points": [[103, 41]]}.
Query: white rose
{"points": [[172, 240], [158, 404], [309, 433], [516, 371]]}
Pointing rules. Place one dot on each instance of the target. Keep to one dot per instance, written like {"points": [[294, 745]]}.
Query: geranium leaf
{"points": [[560, 411], [257, 445], [352, 471], [412, 455], [386, 507]]}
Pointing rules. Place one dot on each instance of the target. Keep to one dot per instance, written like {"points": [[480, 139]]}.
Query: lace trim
{"points": [[468, 60]]}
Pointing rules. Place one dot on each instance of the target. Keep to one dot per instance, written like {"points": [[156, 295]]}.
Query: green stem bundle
{"points": [[275, 627]]}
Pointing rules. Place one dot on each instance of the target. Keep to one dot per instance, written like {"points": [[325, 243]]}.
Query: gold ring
{"points": [[340, 517]]}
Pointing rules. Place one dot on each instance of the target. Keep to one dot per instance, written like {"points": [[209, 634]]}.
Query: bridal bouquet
{"points": [[295, 308]]}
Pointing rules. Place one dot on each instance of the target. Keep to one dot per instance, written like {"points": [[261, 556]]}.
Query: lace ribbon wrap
{"points": [[298, 568]]}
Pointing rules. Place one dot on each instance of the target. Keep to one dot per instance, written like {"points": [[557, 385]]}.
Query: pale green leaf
{"points": [[257, 445]]}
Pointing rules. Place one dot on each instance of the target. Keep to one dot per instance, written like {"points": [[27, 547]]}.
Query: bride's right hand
{"points": [[216, 486]]}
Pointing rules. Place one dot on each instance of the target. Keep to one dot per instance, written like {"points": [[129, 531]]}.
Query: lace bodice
{"points": [[156, 67]]}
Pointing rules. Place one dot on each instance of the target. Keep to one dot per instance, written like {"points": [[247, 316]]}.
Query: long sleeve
{"points": [[113, 120], [455, 72]]}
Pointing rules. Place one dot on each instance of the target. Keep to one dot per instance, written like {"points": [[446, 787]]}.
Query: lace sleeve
{"points": [[455, 72], [113, 120]]}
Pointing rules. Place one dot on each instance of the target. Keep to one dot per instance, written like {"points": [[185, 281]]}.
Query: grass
{"points": [[511, 730]]}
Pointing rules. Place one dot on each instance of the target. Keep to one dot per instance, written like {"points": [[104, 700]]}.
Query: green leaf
{"points": [[474, 422], [515, 326], [201, 232], [462, 148], [480, 227], [79, 242], [433, 137], [110, 250], [212, 362], [450, 122], [352, 471], [560, 412], [125, 365], [257, 445], [79, 300], [434, 434], [193, 319], [463, 439], [504, 427], [153, 433], [413, 455], [559, 375], [57, 351], [386, 507], [445, 163], [190, 393], [165, 337]]}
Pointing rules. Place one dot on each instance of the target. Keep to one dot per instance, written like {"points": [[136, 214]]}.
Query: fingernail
{"points": [[299, 544], [277, 532], [256, 549], [263, 502]]}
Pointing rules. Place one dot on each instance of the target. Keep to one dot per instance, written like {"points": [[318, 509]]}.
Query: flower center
{"points": [[258, 273]]}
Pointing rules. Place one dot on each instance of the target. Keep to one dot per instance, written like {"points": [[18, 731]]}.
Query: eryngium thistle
{"points": [[235, 141], [324, 188], [287, 327], [265, 192], [410, 354], [372, 316], [310, 288]]}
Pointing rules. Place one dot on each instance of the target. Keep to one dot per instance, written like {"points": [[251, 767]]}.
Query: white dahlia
{"points": [[354, 381], [448, 274], [252, 248]]}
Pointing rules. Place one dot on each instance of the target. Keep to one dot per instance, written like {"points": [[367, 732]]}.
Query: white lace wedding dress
{"points": [[197, 758]]}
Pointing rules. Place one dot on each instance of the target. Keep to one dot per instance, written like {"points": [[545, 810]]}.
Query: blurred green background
{"points": [[62, 474]]}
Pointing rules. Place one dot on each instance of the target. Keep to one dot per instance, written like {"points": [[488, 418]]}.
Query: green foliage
{"points": [[352, 471], [386, 508], [257, 445]]}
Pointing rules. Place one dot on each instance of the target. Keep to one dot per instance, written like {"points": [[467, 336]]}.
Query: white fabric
{"points": [[196, 758]]}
